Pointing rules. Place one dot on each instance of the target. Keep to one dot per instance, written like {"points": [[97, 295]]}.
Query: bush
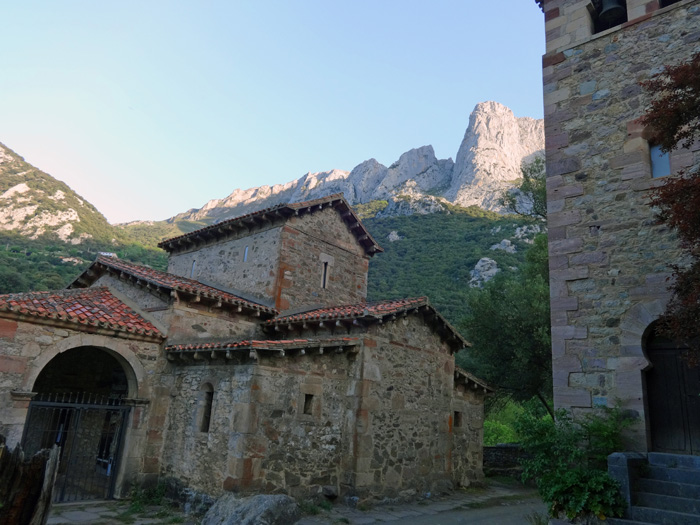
{"points": [[569, 461]]}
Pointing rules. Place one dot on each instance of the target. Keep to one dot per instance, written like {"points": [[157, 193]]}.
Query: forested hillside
{"points": [[434, 254], [423, 255]]}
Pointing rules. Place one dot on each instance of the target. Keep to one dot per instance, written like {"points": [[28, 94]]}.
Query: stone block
{"points": [[8, 328], [571, 397], [13, 365]]}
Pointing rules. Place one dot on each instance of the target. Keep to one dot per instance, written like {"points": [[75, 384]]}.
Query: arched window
{"points": [[204, 406]]}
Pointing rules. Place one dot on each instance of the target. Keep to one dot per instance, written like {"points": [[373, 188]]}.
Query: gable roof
{"points": [[167, 282], [379, 311], [88, 309], [281, 212]]}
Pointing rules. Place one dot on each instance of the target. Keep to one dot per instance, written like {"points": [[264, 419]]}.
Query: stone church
{"points": [[609, 257], [254, 364]]}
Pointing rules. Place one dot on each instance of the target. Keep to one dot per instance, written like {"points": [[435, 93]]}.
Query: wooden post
{"points": [[26, 486]]}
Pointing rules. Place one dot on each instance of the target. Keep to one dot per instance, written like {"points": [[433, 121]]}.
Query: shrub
{"points": [[568, 461]]}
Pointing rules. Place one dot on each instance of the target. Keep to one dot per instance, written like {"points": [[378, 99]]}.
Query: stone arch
{"points": [[630, 367], [119, 349], [635, 327]]}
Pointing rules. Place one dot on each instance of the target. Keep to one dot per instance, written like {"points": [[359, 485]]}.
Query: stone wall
{"points": [[308, 242], [26, 348], [222, 263], [406, 440], [609, 258], [266, 433], [374, 422], [192, 322]]}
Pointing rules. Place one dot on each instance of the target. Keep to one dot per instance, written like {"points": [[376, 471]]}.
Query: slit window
{"points": [[457, 421], [324, 278], [245, 254], [194, 265], [660, 161], [308, 404], [206, 400]]}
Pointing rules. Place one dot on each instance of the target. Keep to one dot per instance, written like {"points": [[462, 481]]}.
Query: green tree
{"points": [[508, 325], [674, 118], [529, 199]]}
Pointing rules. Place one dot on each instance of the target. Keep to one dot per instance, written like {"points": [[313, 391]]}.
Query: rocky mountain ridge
{"points": [[495, 145]]}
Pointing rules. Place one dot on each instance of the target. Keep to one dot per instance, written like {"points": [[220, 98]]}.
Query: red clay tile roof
{"points": [[223, 228], [90, 307], [171, 282], [376, 310], [279, 344]]}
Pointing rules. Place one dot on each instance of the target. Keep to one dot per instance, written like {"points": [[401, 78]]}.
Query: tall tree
{"points": [[508, 326], [674, 118], [529, 198]]}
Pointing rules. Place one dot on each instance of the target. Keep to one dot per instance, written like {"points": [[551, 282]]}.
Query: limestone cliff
{"points": [[494, 147]]}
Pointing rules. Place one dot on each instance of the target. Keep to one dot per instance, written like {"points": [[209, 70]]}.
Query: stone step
{"points": [[669, 488], [659, 459], [677, 475], [661, 517], [662, 501], [622, 521]]}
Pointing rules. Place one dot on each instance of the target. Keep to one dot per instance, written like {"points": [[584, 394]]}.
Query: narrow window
{"points": [[194, 264], [660, 161], [245, 254], [206, 400], [667, 3], [308, 403], [324, 280], [457, 421]]}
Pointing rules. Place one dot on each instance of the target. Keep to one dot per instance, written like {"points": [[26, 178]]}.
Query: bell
{"points": [[612, 12]]}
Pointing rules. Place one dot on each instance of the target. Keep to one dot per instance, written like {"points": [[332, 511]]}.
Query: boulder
{"points": [[262, 509]]}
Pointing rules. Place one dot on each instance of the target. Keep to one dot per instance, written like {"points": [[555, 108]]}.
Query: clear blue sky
{"points": [[148, 108]]}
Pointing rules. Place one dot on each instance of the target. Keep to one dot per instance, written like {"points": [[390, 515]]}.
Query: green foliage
{"points": [[28, 265], [370, 209], [496, 433], [142, 498], [508, 324], [569, 460], [150, 233], [530, 197], [435, 255]]}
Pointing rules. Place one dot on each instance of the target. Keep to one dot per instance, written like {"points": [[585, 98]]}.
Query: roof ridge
{"points": [[364, 237]]}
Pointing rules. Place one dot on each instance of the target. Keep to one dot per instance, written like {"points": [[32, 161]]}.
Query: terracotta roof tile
{"points": [[353, 311], [175, 282], [286, 210], [90, 306]]}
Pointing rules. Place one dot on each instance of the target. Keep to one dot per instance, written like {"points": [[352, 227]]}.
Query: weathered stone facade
{"points": [[609, 257], [27, 348], [332, 397]]}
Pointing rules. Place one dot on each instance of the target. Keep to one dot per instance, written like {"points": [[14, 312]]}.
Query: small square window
{"points": [[308, 404], [457, 421]]}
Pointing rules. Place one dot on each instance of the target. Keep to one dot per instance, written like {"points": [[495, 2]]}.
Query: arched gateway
{"points": [[79, 406]]}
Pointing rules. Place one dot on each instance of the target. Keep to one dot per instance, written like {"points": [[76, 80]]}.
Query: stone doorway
{"points": [[673, 394], [79, 406]]}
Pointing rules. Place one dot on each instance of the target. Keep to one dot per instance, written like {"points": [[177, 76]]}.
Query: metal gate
{"points": [[89, 430]]}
